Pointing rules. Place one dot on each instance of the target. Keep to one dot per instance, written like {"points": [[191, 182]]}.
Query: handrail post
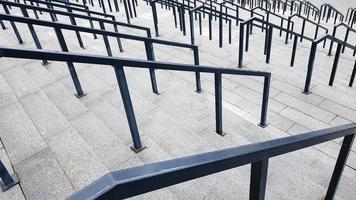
{"points": [[191, 23], [155, 18], [90, 21], [2, 25], [130, 114], [13, 25], [310, 67], [220, 28], [264, 108], [197, 74], [247, 39], [127, 12], [345, 39], [34, 35], [302, 33], [258, 180], [71, 68], [269, 44], [218, 103], [339, 166], [336, 62], [150, 56], [106, 40], [295, 43], [353, 75], [7, 180], [287, 32], [241, 45], [331, 41], [210, 27], [74, 22]]}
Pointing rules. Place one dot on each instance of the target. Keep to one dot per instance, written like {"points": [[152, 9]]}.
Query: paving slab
{"points": [[77, 159], [44, 114], [18, 134], [43, 178]]}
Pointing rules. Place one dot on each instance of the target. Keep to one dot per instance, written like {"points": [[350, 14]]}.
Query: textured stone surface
{"points": [[87, 137], [18, 134], [77, 159], [44, 114], [42, 177]]}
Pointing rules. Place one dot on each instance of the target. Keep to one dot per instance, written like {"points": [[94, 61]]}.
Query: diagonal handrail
{"points": [[138, 180], [147, 41], [119, 63]]}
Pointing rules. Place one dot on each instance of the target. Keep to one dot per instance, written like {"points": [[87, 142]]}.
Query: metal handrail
{"points": [[139, 180], [348, 30], [311, 61], [119, 63], [327, 10], [317, 27], [69, 13], [147, 41], [268, 39]]}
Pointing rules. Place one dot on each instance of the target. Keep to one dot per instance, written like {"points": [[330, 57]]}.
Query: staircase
{"points": [[57, 143]]}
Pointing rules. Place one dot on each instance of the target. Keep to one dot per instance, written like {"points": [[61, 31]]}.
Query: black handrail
{"points": [[317, 27], [351, 17], [244, 43], [119, 63], [348, 30], [138, 180], [327, 11], [311, 61], [74, 16], [148, 43]]}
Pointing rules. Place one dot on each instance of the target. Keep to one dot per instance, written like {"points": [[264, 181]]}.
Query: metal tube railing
{"points": [[138, 180], [105, 34], [312, 59], [118, 63]]}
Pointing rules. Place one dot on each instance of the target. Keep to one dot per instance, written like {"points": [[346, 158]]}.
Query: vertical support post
{"points": [[191, 23], [331, 41], [210, 27], [73, 22], [106, 40], [90, 22], [269, 44], [118, 39], [302, 33], [345, 39], [295, 42], [310, 68], [287, 32], [127, 12], [241, 45], [150, 56], [2, 25], [316, 32], [353, 75], [247, 36], [218, 103], [264, 108], [339, 167], [155, 18], [175, 16], [130, 114], [183, 20], [220, 28], [258, 180], [197, 74], [7, 180], [13, 25], [34, 35], [71, 68], [336, 62]]}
